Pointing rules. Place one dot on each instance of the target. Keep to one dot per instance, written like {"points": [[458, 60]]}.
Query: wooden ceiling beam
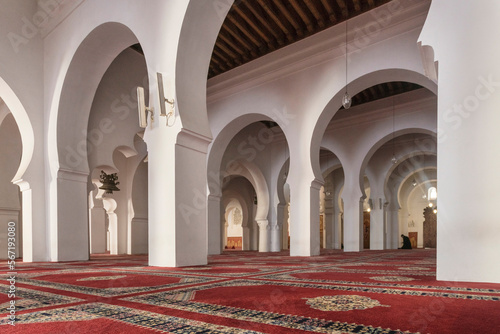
{"points": [[289, 18], [238, 56], [216, 64], [366, 96], [239, 37], [233, 44], [320, 19], [224, 59], [381, 91], [270, 25], [214, 68], [244, 30], [343, 8], [252, 22], [391, 88], [357, 5], [329, 9], [220, 60], [302, 12]]}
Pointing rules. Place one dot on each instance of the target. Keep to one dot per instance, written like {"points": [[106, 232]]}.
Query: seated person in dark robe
{"points": [[406, 242]]}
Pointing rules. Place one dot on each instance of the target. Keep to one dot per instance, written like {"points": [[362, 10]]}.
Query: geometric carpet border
{"points": [[115, 291], [288, 277], [32, 299], [331, 287], [385, 272], [139, 318], [166, 299]]}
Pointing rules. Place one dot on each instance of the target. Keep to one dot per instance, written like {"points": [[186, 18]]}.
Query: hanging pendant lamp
{"points": [[109, 183]]}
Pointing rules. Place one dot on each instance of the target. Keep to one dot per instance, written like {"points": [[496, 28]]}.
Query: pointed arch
{"points": [[356, 86], [17, 109]]}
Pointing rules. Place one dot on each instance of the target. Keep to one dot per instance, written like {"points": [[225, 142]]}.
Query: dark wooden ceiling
{"points": [[254, 28], [383, 90]]}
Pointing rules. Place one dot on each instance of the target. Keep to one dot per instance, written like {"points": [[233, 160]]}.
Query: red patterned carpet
{"points": [[248, 292]]}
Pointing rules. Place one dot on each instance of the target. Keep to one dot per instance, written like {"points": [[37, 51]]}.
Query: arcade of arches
{"points": [[261, 157]]}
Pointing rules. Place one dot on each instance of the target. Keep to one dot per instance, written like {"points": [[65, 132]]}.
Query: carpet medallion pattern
{"points": [[377, 292], [342, 303]]}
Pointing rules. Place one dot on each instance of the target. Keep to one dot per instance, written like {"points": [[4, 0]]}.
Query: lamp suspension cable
{"points": [[414, 181], [394, 160], [333, 183], [327, 167], [346, 100], [424, 190]]}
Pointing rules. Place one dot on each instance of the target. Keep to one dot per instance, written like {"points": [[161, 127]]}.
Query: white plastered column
{"points": [[337, 215], [275, 237], [304, 195], [275, 224], [376, 174], [468, 137], [353, 218], [97, 222], [353, 208], [377, 225], [214, 232], [330, 226], [110, 206], [177, 196], [393, 239], [304, 216], [264, 230], [71, 237], [284, 231], [391, 218], [329, 215], [280, 218]]}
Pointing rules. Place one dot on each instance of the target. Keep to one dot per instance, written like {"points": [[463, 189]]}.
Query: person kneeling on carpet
{"points": [[406, 242]]}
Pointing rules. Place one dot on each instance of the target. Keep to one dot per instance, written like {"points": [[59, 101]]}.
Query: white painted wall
{"points": [[139, 223], [21, 88], [468, 247], [10, 206]]}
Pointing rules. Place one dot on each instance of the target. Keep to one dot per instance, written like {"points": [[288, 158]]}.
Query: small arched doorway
{"points": [[233, 228]]}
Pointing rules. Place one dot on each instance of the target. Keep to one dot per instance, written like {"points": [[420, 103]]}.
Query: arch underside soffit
{"points": [[89, 63], [10, 103]]}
